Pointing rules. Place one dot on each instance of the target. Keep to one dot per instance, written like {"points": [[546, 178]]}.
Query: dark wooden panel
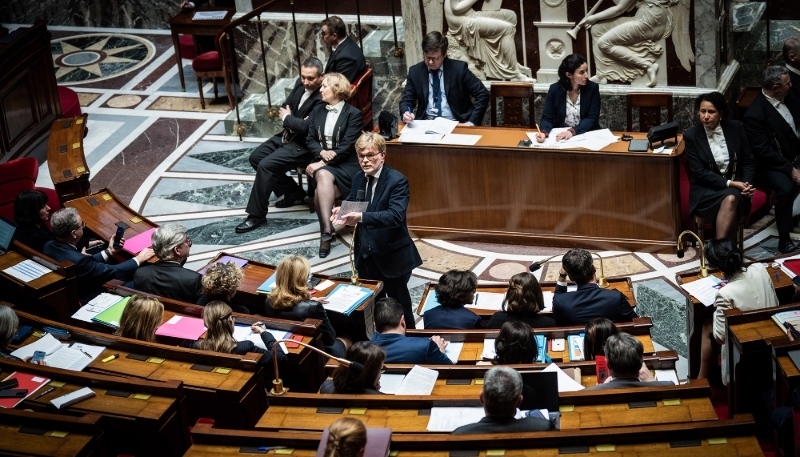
{"points": [[19, 112]]}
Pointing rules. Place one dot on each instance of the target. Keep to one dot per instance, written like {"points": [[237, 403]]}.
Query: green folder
{"points": [[113, 314]]}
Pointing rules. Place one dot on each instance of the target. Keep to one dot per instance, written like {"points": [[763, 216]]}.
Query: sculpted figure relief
{"points": [[627, 47], [485, 39]]}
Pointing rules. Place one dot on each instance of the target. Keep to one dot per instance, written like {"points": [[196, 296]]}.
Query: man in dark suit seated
{"points": [[791, 55], [500, 397], [167, 277], [390, 328], [285, 151], [772, 123], [92, 270], [346, 57], [439, 86], [625, 360], [589, 301]]}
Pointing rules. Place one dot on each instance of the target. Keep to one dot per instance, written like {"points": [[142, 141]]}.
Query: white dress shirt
{"points": [[573, 116], [334, 111], [446, 113], [375, 178], [783, 110], [719, 149], [303, 99]]}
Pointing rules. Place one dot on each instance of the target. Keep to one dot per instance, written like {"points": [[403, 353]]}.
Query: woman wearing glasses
{"points": [[331, 140], [347, 380], [290, 299]]}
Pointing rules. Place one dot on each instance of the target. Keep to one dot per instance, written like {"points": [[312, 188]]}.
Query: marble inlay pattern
{"points": [[218, 105], [97, 57], [222, 232], [622, 265], [441, 260], [86, 98], [235, 159], [124, 101]]}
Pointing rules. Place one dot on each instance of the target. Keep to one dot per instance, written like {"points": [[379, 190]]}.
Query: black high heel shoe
{"points": [[325, 244]]}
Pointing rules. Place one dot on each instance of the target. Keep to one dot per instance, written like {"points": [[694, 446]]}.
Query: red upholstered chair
{"points": [[18, 175], [212, 65], [361, 97], [70, 104], [186, 42]]}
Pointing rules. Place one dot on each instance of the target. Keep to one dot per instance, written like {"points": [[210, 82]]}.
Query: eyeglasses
{"points": [[188, 241], [383, 369], [368, 156], [82, 225]]}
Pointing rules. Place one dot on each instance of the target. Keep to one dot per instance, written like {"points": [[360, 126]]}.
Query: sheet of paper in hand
{"points": [[350, 207]]}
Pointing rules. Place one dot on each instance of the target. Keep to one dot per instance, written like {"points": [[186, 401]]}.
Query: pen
{"points": [[86, 353], [777, 275], [110, 358], [476, 299], [44, 393], [409, 112]]}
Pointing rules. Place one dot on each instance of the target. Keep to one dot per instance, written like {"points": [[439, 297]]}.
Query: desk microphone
{"points": [[277, 383], [538, 264], [360, 196]]}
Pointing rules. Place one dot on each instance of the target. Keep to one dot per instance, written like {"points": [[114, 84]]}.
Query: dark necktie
{"points": [[370, 180], [436, 90]]}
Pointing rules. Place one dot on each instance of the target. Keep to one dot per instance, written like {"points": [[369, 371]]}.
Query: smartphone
{"points": [[558, 344], [118, 237], [38, 356]]}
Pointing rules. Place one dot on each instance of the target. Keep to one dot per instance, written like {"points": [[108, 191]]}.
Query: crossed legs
{"points": [[324, 198]]}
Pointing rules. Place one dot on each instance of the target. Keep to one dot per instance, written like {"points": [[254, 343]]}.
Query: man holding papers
{"points": [[500, 397], [383, 249], [442, 87], [390, 327]]}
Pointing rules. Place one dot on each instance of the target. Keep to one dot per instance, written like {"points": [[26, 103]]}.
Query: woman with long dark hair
{"points": [[366, 381]]}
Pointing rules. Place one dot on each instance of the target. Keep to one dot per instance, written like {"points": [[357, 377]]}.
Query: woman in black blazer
{"points": [[31, 213], [334, 151], [572, 102], [721, 166]]}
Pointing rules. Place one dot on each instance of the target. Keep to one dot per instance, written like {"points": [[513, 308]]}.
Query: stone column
{"points": [[554, 42], [412, 28]]}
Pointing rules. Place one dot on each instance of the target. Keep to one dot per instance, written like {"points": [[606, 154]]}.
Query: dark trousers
{"points": [[784, 189], [396, 288], [271, 160]]}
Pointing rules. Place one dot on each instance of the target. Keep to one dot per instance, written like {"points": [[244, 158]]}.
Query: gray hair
{"points": [[313, 62], [502, 387], [772, 76], [578, 265], [64, 221], [624, 354], [8, 325], [166, 238]]}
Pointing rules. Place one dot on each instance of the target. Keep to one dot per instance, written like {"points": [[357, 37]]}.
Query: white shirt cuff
{"points": [[104, 253], [137, 261], [470, 124], [562, 283], [728, 184], [284, 117]]}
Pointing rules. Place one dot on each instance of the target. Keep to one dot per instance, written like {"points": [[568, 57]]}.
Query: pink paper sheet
{"points": [[137, 243]]}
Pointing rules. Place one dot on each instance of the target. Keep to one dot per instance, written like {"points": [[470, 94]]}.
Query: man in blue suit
{"points": [[92, 270], [383, 249], [589, 301], [390, 328]]}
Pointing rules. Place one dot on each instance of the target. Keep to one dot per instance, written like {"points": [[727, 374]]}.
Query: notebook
{"points": [[113, 314], [268, 285], [184, 327], [26, 381]]}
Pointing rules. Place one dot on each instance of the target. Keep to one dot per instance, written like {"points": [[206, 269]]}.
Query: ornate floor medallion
{"points": [[95, 57]]}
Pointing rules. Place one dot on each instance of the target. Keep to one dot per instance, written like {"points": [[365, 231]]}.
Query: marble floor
{"points": [[152, 145]]}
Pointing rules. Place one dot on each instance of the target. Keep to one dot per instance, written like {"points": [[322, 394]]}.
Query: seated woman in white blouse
{"points": [[572, 102], [721, 166]]}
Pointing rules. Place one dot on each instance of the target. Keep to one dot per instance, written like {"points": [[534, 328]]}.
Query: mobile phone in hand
{"points": [[118, 237], [38, 356]]}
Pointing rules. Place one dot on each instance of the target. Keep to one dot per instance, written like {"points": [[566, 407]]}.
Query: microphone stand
{"points": [[538, 264], [703, 268], [601, 281], [277, 383], [353, 274]]}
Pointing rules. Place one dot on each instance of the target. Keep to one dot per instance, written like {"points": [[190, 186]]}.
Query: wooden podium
{"points": [[66, 159]]}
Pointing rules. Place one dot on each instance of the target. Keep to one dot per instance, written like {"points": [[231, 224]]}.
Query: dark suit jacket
{"points": [[327, 387], [535, 321], [302, 310], [504, 425], [91, 270], [795, 90], [412, 350], [383, 232], [33, 236], [449, 317], [459, 85], [704, 174], [345, 133], [169, 279], [555, 108], [243, 347], [295, 126], [348, 59], [623, 383], [772, 140], [589, 302]]}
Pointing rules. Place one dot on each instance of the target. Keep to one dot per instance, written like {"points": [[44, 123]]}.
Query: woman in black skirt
{"points": [[332, 134], [721, 166]]}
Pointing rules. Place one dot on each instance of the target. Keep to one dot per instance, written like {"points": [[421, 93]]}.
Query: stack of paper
{"points": [[243, 333], [58, 355], [345, 298], [430, 132], [448, 419], [112, 315], [565, 383], [184, 327], [418, 381], [223, 260], [27, 270], [209, 15], [99, 304], [487, 300], [704, 289], [594, 140], [488, 349]]}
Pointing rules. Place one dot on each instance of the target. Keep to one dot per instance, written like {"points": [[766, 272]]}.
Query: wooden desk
{"points": [[54, 294], [697, 313], [359, 324], [103, 211], [498, 192], [621, 284], [84, 434], [66, 160], [158, 417], [183, 23]]}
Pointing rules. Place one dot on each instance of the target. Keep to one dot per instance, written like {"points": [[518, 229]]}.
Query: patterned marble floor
{"points": [[152, 145]]}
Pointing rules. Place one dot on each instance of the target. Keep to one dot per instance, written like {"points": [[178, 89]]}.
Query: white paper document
{"points": [[47, 344], [344, 298], [390, 383], [460, 139], [209, 15], [99, 304], [449, 419], [488, 349], [349, 207], [440, 125], [27, 270], [548, 301], [423, 138], [594, 140], [418, 381], [242, 333], [453, 350], [324, 285], [704, 289], [73, 397], [667, 375], [565, 383], [487, 300], [59, 355]]}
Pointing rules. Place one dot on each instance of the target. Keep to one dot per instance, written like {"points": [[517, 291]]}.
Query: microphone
{"points": [[360, 196], [277, 383], [538, 264], [703, 267]]}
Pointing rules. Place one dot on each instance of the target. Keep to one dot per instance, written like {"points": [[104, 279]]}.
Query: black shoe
{"points": [[291, 199], [786, 246], [251, 223], [325, 245]]}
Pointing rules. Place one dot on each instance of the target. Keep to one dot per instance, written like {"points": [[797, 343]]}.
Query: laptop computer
{"points": [[6, 234]]}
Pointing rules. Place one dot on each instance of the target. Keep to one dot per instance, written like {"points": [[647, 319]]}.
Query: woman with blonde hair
{"points": [[141, 318], [332, 134], [220, 282], [347, 437], [219, 321], [524, 300], [291, 300]]}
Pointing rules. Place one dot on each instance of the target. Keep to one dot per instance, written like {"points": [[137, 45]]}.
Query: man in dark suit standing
{"points": [[346, 57], [589, 301], [167, 277], [771, 123], [285, 151], [383, 249], [625, 358], [791, 55], [92, 270], [390, 334], [500, 397], [441, 87]]}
